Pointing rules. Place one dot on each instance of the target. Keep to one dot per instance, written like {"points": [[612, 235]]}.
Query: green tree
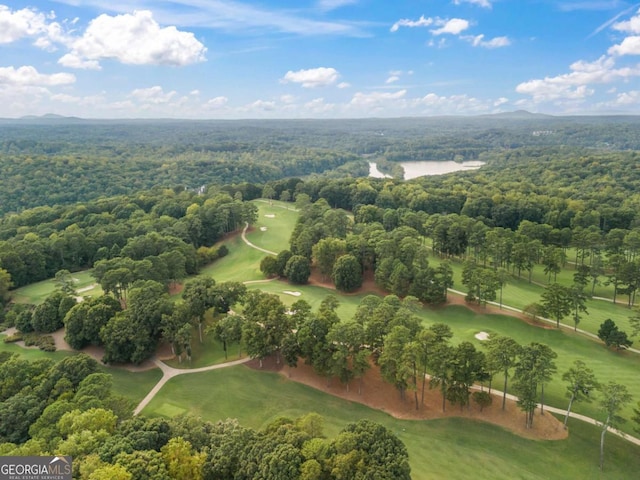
{"points": [[347, 273], [298, 270], [502, 356], [614, 398], [581, 383], [612, 336], [556, 302]]}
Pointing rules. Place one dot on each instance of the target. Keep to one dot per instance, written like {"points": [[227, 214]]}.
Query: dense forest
{"points": [[50, 161], [146, 205]]}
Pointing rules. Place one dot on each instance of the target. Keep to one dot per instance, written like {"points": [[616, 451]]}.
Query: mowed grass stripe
{"points": [[447, 448]]}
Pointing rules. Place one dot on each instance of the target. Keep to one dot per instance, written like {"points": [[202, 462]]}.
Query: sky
{"points": [[229, 59]]}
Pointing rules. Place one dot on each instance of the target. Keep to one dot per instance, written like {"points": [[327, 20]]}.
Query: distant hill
{"points": [[519, 115]]}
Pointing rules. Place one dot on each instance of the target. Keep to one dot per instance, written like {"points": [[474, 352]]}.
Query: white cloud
{"points": [[376, 99], [453, 26], [405, 22], [217, 102], [629, 46], [343, 85], [18, 24], [629, 26], [433, 104], [153, 95], [231, 16], [574, 85], [392, 79], [628, 98], [195, 93], [313, 77], [318, 106], [500, 101], [287, 99], [262, 105], [133, 39], [28, 75], [496, 42], [480, 3]]}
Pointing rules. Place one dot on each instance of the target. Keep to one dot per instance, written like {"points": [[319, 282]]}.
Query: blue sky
{"points": [[317, 58]]}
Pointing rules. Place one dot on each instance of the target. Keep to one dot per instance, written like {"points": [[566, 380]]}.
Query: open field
{"points": [[447, 448]]}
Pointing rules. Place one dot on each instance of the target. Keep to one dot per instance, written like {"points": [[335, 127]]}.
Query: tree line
{"points": [[69, 408]]}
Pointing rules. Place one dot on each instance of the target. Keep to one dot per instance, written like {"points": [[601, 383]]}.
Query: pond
{"points": [[427, 167]]}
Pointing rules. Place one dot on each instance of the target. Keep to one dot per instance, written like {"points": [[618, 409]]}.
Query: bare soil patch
{"points": [[380, 395]]}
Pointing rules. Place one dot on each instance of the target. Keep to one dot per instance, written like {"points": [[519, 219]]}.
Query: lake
{"points": [[427, 167]]}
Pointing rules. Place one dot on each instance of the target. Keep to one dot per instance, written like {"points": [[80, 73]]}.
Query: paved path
{"points": [[547, 320], [562, 412], [170, 372], [244, 239]]}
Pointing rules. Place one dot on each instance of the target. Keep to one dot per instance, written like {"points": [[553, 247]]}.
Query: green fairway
{"points": [[608, 365], [448, 448], [274, 225], [240, 265], [519, 293], [37, 292], [209, 352], [133, 385]]}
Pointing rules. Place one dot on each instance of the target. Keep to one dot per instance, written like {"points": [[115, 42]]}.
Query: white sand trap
{"points": [[295, 294], [263, 229], [86, 289], [270, 215], [482, 336]]}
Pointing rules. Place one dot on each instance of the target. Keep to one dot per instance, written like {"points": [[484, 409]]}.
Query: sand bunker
{"points": [[270, 215], [295, 294], [263, 229], [482, 336]]}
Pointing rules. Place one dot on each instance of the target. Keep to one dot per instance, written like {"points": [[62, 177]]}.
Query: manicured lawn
{"points": [[241, 264], [448, 448], [608, 365], [133, 385], [278, 220], [209, 352], [37, 292], [519, 293]]}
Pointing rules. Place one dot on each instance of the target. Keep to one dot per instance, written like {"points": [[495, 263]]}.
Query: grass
{"points": [[447, 448], [519, 293], [132, 385], [278, 228], [36, 293]]}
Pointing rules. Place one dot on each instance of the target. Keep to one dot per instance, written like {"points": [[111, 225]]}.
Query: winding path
{"points": [[170, 372]]}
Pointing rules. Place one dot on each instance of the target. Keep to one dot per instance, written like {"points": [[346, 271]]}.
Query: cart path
{"points": [[170, 372], [244, 239]]}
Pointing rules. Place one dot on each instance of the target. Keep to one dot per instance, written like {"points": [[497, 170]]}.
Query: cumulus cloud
{"points": [[629, 46], [496, 42], [453, 26], [343, 85], [28, 75], [313, 77], [392, 79], [153, 95], [262, 105], [135, 39], [575, 85], [18, 24], [217, 102], [629, 26], [376, 99], [405, 22]]}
